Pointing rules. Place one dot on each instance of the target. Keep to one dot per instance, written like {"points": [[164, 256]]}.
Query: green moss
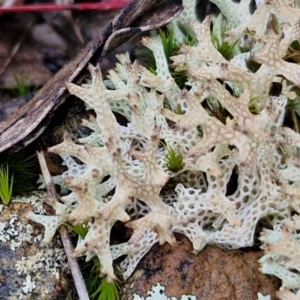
{"points": [[6, 184], [80, 229], [171, 48], [22, 86], [179, 110], [98, 288], [105, 291], [218, 39], [174, 158], [23, 172]]}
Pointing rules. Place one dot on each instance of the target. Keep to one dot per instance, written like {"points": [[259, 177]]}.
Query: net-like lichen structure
{"points": [[237, 170]]}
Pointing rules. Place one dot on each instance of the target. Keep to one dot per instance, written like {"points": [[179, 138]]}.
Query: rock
{"points": [[29, 270], [212, 274]]}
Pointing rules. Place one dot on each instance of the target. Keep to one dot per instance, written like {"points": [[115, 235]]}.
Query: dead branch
{"points": [[76, 273]]}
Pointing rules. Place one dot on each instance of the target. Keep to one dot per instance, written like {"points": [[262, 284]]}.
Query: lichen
{"points": [[13, 229], [35, 265], [124, 173], [157, 292]]}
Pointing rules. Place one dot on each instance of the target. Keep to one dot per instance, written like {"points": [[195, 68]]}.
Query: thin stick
{"points": [[76, 273], [110, 5]]}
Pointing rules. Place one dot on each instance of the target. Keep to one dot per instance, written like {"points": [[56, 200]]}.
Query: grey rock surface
{"points": [[28, 269]]}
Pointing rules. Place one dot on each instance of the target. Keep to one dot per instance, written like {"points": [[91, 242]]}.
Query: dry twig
{"points": [[76, 273]]}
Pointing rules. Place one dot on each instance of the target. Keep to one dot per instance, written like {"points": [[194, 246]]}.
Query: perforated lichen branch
{"points": [[192, 57], [271, 56]]}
